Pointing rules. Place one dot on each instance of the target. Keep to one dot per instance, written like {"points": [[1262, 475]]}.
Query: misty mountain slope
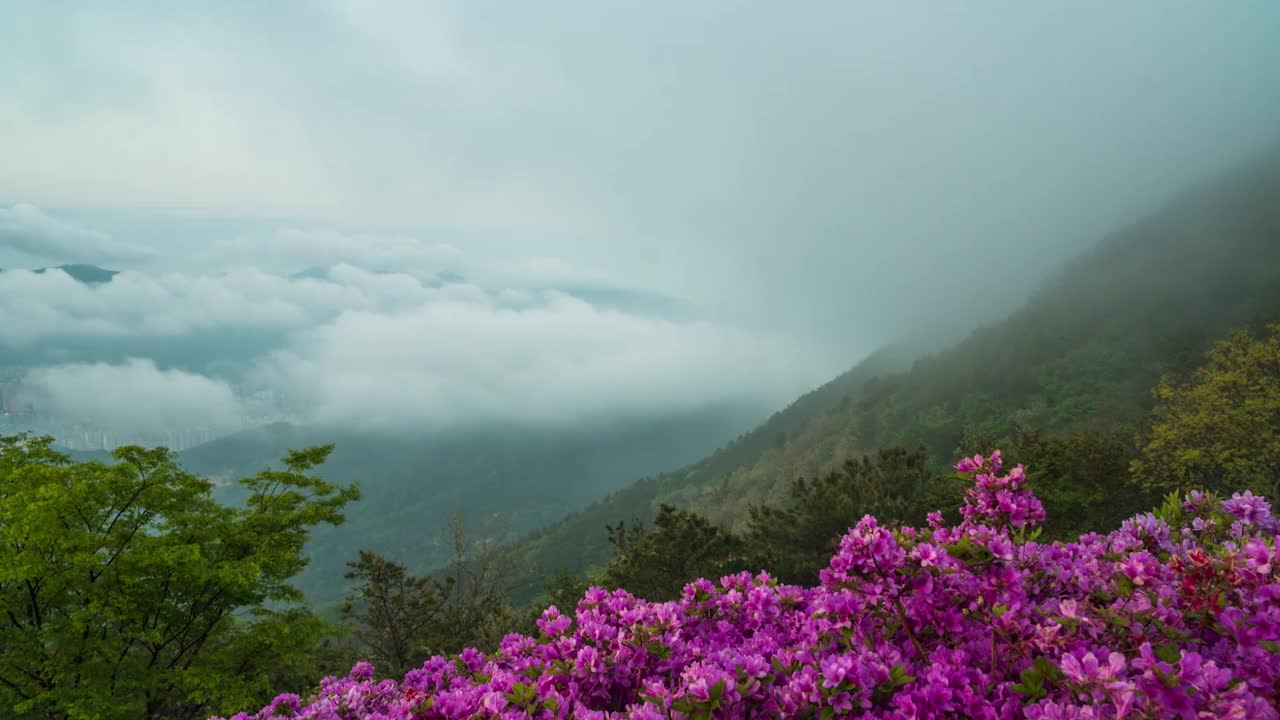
{"points": [[88, 274], [227, 459], [509, 477], [1084, 351], [579, 541]]}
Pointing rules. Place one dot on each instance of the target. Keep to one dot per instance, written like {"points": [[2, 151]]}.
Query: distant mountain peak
{"points": [[87, 274], [314, 272]]}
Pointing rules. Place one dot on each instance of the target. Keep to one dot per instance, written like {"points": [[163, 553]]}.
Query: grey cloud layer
{"points": [[52, 307], [33, 232], [830, 168], [375, 349], [293, 248], [560, 360]]}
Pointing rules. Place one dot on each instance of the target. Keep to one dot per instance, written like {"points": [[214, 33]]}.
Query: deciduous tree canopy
{"points": [[1219, 428], [128, 592]]}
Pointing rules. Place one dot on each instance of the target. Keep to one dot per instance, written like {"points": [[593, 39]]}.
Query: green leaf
{"points": [[898, 675], [717, 692], [1169, 653], [1124, 586], [1048, 668], [1032, 684]]}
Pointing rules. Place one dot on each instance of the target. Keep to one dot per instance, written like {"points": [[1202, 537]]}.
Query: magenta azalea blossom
{"points": [[1176, 616]]}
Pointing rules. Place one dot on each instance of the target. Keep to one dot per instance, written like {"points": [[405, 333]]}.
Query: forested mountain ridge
{"points": [[1084, 352], [512, 479]]}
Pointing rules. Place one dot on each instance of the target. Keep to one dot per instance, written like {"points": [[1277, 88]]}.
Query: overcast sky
{"points": [[806, 179]]}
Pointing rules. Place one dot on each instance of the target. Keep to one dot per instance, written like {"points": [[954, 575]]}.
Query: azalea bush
{"points": [[1176, 614]]}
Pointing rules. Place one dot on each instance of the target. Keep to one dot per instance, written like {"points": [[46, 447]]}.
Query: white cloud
{"points": [[50, 306], [561, 360], [386, 349], [547, 271], [134, 397], [30, 230], [293, 249]]}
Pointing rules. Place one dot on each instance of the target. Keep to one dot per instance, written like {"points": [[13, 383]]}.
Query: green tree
{"points": [[129, 592], [1220, 428], [682, 546], [795, 541], [564, 591], [1083, 478], [478, 613], [396, 616], [397, 620]]}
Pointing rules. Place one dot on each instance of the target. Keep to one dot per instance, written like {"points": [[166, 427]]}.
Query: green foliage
{"points": [[656, 563], [797, 540], [130, 593], [1220, 428], [397, 618], [1083, 477], [564, 591], [264, 651], [478, 613]]}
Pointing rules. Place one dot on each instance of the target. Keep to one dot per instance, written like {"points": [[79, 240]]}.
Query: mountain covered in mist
{"points": [[87, 274], [499, 478], [1084, 352]]}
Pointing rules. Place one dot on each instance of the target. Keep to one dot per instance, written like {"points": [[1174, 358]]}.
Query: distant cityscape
{"points": [[20, 413]]}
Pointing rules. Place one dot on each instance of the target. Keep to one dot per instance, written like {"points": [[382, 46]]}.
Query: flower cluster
{"points": [[1175, 614], [996, 499]]}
